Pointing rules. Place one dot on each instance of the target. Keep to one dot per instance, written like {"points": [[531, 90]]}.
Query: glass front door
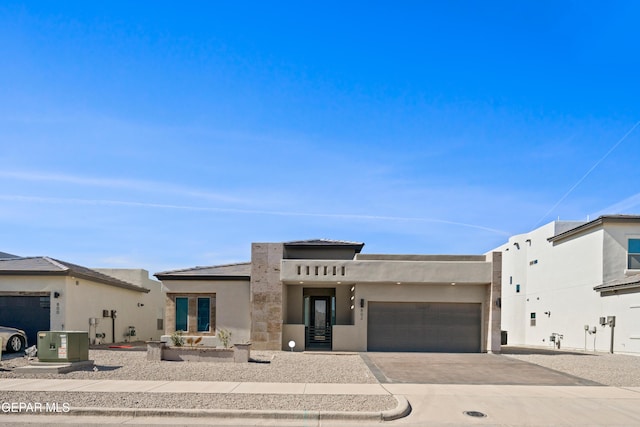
{"points": [[319, 322]]}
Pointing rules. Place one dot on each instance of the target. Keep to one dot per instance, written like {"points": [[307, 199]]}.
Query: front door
{"points": [[319, 330]]}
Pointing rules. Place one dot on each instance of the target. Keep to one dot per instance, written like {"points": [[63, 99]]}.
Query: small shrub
{"points": [[177, 338], [224, 336]]}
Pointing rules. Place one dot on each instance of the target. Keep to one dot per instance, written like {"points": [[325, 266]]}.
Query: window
{"points": [[204, 314], [182, 313], [634, 254], [195, 313], [533, 319], [45, 302]]}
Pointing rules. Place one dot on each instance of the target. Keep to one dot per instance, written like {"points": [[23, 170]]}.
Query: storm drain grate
{"points": [[476, 414]]}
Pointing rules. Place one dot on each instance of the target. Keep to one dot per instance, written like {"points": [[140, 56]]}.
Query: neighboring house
{"points": [[564, 277], [326, 295], [42, 293], [6, 255]]}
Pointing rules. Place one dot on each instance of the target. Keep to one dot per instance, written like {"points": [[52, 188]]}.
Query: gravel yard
{"points": [[617, 370], [286, 367], [278, 366]]}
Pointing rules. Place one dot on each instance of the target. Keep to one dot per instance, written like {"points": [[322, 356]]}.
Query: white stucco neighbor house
{"points": [[327, 295], [574, 283], [42, 293]]}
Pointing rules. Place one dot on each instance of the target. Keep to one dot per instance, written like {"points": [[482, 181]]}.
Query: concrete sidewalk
{"points": [[516, 405], [32, 384], [431, 404], [126, 415]]}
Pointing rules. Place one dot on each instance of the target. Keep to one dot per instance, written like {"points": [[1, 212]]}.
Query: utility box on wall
{"points": [[63, 346]]}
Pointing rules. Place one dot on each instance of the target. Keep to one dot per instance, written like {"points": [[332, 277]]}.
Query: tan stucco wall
{"points": [[294, 309], [375, 271], [144, 317], [492, 313], [82, 299], [293, 333], [232, 304], [348, 337], [437, 278]]}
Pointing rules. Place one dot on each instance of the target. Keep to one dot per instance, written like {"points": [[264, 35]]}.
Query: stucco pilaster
{"points": [[493, 303]]}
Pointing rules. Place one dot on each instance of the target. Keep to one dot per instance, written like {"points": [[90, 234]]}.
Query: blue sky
{"points": [[164, 135]]}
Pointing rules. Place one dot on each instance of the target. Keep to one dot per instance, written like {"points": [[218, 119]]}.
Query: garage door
{"points": [[436, 327], [29, 313]]}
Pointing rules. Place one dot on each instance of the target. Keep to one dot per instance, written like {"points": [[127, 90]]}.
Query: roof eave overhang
{"points": [[200, 277], [355, 246], [121, 285], [613, 288], [75, 274], [574, 231], [32, 273], [593, 224]]}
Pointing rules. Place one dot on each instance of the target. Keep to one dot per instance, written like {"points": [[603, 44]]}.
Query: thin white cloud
{"points": [[596, 164], [623, 206], [130, 184], [72, 201]]}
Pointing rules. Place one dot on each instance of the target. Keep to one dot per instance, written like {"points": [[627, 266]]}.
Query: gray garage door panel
{"points": [[413, 326]]}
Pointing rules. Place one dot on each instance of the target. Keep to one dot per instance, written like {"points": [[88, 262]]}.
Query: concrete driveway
{"points": [[464, 368]]}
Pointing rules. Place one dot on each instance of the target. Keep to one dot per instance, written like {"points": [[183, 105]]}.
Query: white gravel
{"points": [[280, 366], [616, 370], [285, 367]]}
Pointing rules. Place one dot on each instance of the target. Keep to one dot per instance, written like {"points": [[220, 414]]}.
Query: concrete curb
{"points": [[401, 410]]}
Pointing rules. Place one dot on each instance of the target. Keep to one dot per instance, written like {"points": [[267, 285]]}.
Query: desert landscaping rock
{"points": [[282, 367], [618, 370], [286, 367]]}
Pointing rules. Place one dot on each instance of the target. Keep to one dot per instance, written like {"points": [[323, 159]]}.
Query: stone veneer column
{"points": [[266, 296], [493, 316]]}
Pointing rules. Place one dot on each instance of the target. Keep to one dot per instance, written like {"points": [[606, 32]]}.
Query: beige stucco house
{"points": [[327, 295], [42, 293]]}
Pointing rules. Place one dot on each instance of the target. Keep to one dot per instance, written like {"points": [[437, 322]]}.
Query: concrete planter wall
{"points": [[239, 353]]}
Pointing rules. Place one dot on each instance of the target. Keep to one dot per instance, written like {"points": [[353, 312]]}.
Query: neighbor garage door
{"points": [[418, 326], [29, 313]]}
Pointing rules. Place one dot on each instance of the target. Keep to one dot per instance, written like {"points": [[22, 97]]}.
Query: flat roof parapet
{"points": [[400, 257]]}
